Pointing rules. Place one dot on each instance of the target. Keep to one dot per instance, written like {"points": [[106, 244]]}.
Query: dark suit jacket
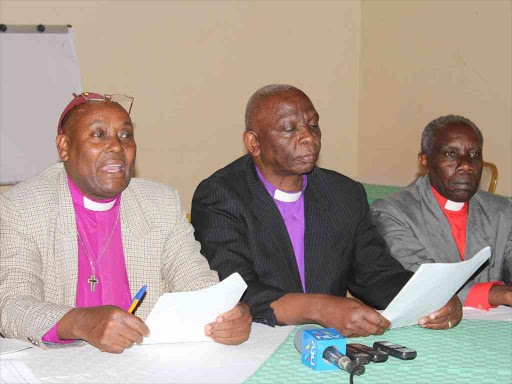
{"points": [[241, 230]]}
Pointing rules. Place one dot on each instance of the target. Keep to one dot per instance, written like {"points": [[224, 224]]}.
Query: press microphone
{"points": [[312, 342]]}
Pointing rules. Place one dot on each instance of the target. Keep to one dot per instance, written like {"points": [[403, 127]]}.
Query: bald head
{"points": [[256, 103], [70, 119], [282, 135]]}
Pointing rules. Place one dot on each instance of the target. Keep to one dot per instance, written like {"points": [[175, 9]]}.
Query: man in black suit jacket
{"points": [[243, 228]]}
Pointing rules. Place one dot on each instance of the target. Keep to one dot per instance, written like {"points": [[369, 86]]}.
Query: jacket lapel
{"points": [[134, 227], [66, 240], [476, 229], [265, 209], [315, 232], [437, 225]]}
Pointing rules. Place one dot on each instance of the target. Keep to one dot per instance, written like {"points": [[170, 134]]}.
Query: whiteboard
{"points": [[38, 74]]}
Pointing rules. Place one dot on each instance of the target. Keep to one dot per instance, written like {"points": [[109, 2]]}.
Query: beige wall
{"points": [[377, 71], [191, 67], [424, 59]]}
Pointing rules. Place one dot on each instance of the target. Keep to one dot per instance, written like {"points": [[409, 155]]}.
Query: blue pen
{"points": [[137, 298]]}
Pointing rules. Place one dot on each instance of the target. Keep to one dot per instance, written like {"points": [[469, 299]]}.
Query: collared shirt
{"points": [[291, 207], [95, 221], [457, 215]]}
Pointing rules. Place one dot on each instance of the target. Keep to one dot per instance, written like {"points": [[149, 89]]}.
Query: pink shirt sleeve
{"points": [[478, 296], [52, 336]]}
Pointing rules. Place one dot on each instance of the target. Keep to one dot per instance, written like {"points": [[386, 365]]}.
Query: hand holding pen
{"points": [[137, 298], [106, 327]]}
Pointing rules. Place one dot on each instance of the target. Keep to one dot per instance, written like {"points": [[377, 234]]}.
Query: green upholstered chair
{"points": [[375, 191]]}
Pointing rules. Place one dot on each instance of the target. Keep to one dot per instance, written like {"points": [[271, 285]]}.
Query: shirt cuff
{"points": [[478, 296], [52, 336]]}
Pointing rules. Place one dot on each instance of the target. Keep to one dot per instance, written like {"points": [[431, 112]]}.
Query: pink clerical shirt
{"points": [[95, 221], [291, 206]]}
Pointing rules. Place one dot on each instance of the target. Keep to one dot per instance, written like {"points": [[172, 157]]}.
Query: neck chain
{"points": [[93, 280]]}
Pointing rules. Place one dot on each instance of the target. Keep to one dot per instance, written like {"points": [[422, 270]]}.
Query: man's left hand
{"points": [[500, 295], [447, 317], [232, 327]]}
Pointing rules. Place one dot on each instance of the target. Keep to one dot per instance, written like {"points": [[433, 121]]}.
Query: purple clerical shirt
{"points": [[95, 221], [291, 206]]}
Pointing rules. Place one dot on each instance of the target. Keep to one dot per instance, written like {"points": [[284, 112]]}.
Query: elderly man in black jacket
{"points": [[298, 234]]}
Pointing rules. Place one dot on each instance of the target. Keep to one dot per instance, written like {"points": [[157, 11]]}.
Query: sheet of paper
{"points": [[13, 345], [180, 317], [179, 363], [430, 288], [15, 372]]}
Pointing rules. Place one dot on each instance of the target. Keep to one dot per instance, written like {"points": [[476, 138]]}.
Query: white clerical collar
{"points": [[95, 206], [287, 197], [453, 205]]}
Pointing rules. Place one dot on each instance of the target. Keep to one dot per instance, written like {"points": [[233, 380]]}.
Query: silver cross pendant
{"points": [[93, 281]]}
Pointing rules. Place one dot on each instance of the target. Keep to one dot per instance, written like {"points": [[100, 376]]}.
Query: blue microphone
{"points": [[323, 349]]}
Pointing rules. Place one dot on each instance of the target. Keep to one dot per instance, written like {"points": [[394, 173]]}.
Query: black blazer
{"points": [[241, 230]]}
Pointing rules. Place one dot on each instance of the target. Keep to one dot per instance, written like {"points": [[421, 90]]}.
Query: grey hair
{"points": [[255, 101], [427, 137]]}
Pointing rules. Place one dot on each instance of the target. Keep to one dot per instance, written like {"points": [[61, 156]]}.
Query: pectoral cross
{"points": [[93, 281]]}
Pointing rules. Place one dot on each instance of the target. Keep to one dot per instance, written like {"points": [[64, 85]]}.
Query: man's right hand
{"points": [[349, 316], [108, 328]]}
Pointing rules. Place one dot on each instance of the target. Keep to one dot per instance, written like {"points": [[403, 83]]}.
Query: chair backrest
{"points": [[375, 191], [489, 178]]}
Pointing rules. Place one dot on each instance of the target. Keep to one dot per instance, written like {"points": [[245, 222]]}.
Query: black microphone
{"points": [[330, 353]]}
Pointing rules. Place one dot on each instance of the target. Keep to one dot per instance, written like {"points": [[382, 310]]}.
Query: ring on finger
{"points": [[449, 324]]}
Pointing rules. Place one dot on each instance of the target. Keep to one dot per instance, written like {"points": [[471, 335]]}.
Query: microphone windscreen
{"points": [[298, 335]]}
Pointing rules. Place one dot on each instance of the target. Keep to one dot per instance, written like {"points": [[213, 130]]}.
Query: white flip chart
{"points": [[38, 74]]}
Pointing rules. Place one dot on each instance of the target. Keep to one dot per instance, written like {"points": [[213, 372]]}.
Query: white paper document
{"points": [[430, 288], [180, 317], [15, 372], [12, 345]]}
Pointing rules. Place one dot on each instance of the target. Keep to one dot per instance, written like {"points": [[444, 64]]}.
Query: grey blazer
{"points": [[38, 251], [417, 231]]}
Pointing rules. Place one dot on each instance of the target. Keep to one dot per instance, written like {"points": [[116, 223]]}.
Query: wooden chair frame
{"points": [[494, 176]]}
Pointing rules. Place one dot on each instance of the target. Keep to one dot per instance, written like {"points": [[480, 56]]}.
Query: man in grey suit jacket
{"points": [[444, 218], [51, 232]]}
